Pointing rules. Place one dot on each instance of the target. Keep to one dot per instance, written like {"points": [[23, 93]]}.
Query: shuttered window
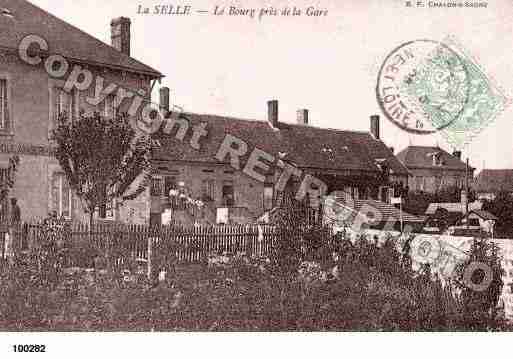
{"points": [[65, 103], [60, 195], [4, 106], [109, 106]]}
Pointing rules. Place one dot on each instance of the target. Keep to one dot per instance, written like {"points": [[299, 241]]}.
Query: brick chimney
{"points": [[374, 126], [272, 112], [457, 154], [120, 34], [302, 116], [164, 100]]}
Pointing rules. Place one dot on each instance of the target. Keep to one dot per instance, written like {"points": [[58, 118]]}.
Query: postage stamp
{"points": [[426, 86]]}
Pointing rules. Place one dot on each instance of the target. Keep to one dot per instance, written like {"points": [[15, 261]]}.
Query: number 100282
{"points": [[29, 348]]}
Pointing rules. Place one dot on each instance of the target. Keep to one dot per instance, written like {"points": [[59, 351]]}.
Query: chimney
{"points": [[120, 34], [272, 112], [302, 117], [374, 126], [164, 101], [457, 154]]}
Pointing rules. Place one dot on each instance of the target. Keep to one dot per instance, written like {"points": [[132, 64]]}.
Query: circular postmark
{"points": [[477, 276], [423, 86]]}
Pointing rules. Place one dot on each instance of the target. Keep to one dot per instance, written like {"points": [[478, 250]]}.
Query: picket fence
{"points": [[132, 242]]}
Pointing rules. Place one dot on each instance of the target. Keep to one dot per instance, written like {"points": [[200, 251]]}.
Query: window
{"points": [[65, 103], [356, 193], [157, 187], [169, 184], [60, 195], [4, 108], [228, 194], [109, 106], [106, 211], [208, 190], [420, 183], [268, 196], [473, 222]]}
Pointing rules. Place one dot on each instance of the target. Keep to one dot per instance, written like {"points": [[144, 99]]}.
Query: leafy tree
{"points": [[102, 157], [502, 208], [8, 182], [479, 279]]}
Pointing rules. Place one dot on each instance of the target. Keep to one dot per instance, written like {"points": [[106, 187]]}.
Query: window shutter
{"points": [[56, 103], [2, 111], [73, 105], [6, 123]]}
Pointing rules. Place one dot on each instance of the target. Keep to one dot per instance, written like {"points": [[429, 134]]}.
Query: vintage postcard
{"points": [[259, 166]]}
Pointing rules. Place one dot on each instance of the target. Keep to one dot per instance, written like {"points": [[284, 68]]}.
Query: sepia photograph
{"points": [[209, 170]]}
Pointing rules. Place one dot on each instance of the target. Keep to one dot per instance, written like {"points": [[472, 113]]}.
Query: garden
{"points": [[311, 280]]}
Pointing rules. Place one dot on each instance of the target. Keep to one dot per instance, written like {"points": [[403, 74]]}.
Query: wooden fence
{"points": [[81, 245]]}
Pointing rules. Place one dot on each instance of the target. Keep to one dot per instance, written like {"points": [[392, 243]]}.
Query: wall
{"points": [[248, 192], [450, 178], [30, 94]]}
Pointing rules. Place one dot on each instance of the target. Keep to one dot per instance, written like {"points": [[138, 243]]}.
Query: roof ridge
{"points": [[88, 35], [228, 117]]}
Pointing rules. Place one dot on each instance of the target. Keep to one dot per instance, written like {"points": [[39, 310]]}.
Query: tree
{"points": [[102, 158], [8, 181], [502, 208], [479, 279]]}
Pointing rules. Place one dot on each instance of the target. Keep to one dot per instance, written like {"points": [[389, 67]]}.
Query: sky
{"points": [[232, 65]]}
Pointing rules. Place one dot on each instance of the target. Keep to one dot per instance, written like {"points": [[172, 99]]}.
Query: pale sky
{"points": [[231, 65]]}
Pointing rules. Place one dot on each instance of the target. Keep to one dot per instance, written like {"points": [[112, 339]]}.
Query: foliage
{"points": [[102, 157], [367, 289], [8, 183], [502, 208], [331, 282], [418, 201], [479, 278]]}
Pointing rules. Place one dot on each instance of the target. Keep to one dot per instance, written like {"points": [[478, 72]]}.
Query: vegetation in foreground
{"points": [[312, 281]]}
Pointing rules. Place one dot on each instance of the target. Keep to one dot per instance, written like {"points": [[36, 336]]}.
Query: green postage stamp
{"points": [[426, 86]]}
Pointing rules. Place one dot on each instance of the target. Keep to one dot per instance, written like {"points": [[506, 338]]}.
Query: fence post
{"points": [[151, 258], [148, 256]]}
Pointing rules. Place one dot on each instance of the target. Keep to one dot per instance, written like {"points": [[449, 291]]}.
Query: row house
{"points": [[31, 100], [433, 169], [350, 163]]}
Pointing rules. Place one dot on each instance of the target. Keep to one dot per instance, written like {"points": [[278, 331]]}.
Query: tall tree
{"points": [[502, 207], [102, 158], [479, 279]]}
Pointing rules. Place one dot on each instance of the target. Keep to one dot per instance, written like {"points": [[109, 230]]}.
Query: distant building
{"points": [[432, 169], [489, 182], [476, 219], [450, 213]]}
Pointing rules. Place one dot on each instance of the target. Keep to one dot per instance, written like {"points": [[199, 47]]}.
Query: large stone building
{"points": [[31, 99], [432, 169]]}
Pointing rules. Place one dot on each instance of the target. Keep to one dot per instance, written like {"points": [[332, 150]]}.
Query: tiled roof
{"points": [[492, 180], [456, 207], [63, 38], [387, 211], [485, 215], [422, 157], [304, 146]]}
